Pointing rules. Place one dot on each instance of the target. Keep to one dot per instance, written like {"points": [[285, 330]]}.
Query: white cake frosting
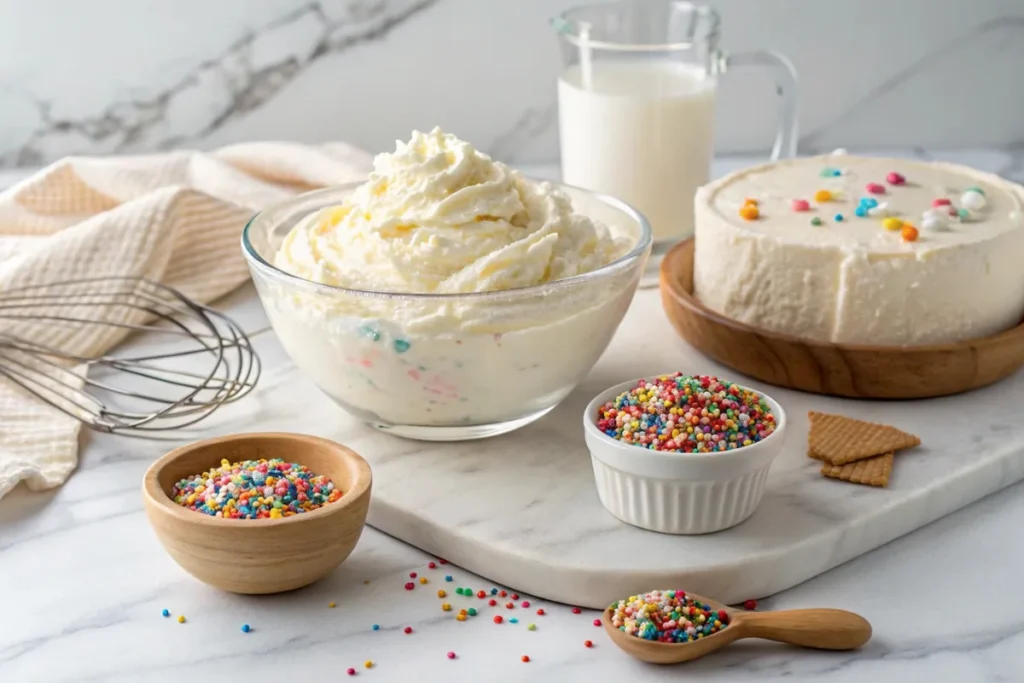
{"points": [[851, 280]]}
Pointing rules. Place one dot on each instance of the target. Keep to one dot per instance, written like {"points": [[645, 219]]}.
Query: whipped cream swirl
{"points": [[437, 216]]}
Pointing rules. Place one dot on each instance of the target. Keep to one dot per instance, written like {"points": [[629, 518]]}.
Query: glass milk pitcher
{"points": [[636, 103]]}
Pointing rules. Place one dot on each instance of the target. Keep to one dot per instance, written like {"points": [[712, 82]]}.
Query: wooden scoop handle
{"points": [[824, 629]]}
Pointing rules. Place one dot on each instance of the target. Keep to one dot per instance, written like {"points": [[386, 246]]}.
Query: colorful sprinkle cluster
{"points": [[255, 489], [935, 219], [667, 617], [687, 414], [462, 615]]}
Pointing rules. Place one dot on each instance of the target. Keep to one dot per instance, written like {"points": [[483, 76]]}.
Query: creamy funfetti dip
{"points": [[453, 298]]}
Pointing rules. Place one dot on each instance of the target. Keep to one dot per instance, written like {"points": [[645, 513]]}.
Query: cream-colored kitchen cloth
{"points": [[175, 218]]}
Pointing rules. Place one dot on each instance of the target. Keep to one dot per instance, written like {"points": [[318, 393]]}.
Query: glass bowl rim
{"points": [[643, 244]]}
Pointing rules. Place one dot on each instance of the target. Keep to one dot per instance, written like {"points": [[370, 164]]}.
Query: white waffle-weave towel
{"points": [[175, 218]]}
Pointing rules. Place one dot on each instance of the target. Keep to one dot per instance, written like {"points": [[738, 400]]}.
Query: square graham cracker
{"points": [[869, 471], [838, 440]]}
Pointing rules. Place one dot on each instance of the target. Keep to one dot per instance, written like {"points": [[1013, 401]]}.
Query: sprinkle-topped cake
{"points": [[860, 250]]}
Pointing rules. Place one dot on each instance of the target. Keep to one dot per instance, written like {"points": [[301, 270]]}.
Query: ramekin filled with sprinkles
{"points": [[682, 454]]}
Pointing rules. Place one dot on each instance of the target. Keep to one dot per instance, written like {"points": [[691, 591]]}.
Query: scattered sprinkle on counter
{"points": [[246, 628], [255, 489], [331, 605], [667, 617], [682, 414], [166, 613], [181, 618]]}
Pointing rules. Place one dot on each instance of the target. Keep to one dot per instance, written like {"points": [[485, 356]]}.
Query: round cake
{"points": [[858, 250]]}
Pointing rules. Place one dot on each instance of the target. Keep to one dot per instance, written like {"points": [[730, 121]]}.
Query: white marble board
{"points": [[522, 510]]}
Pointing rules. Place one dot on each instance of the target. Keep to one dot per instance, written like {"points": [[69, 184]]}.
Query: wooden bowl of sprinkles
{"points": [[259, 556]]}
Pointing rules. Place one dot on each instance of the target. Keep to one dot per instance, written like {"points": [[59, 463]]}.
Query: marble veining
{"points": [[110, 80], [218, 89], [85, 579]]}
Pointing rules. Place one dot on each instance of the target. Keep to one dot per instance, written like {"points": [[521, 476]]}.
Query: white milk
{"points": [[640, 131]]}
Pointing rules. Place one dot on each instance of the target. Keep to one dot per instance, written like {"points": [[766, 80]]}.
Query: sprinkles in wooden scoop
{"points": [[667, 617]]}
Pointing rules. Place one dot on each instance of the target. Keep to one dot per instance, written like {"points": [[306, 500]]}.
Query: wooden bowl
{"points": [[853, 371], [256, 556]]}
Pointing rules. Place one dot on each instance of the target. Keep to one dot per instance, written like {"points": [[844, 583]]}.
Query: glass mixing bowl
{"points": [[446, 367]]}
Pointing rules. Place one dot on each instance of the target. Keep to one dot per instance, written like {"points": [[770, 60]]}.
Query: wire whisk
{"points": [[57, 342]]}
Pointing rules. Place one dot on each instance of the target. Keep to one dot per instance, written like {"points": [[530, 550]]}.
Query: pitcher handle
{"points": [[787, 86]]}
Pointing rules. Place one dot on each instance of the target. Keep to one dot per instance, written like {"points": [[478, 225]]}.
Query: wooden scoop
{"points": [[824, 629]]}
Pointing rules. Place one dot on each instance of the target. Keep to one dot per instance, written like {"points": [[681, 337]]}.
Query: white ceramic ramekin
{"points": [[679, 493]]}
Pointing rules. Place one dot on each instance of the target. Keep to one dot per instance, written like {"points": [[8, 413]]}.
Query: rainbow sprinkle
{"points": [[667, 616], [683, 414], [255, 489]]}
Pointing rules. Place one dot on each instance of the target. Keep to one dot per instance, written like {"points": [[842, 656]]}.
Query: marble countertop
{"points": [[84, 581]]}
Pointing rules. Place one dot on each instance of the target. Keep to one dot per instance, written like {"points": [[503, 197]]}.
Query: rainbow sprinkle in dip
{"points": [[667, 617], [683, 414], [255, 489]]}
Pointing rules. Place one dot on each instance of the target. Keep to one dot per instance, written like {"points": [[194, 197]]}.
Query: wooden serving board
{"points": [[856, 371]]}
